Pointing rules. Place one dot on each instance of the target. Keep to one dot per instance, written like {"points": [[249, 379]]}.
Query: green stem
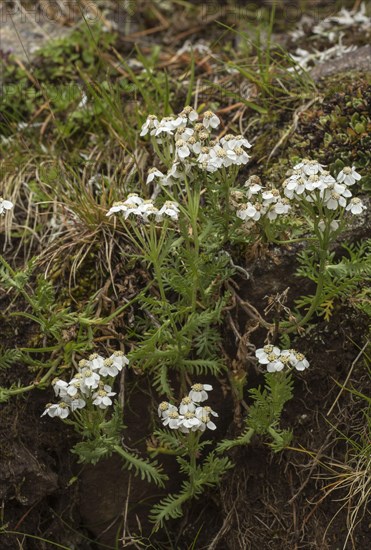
{"points": [[38, 384], [193, 439], [324, 242]]}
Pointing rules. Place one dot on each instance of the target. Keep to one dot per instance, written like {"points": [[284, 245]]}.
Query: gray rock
{"points": [[359, 60], [23, 32]]}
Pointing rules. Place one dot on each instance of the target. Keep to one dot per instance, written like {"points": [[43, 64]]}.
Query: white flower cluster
{"points": [[189, 143], [276, 359], [190, 415], [144, 209], [89, 383], [311, 183], [262, 202], [201, 47], [5, 205], [343, 19], [329, 30], [308, 182], [306, 59]]}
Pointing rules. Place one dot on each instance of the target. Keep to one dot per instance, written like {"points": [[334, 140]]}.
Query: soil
{"points": [[268, 501]]}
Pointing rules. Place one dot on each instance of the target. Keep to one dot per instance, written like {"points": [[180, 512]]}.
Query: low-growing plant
{"points": [[183, 236], [186, 425], [84, 404]]}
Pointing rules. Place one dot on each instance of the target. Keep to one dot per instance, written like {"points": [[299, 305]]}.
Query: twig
{"points": [[347, 378], [291, 130], [250, 309], [222, 530]]}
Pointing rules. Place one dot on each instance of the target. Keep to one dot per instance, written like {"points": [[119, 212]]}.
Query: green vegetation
{"points": [[138, 234]]}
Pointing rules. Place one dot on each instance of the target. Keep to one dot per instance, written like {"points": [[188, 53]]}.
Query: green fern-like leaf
{"points": [[243, 439], [161, 381], [170, 507], [212, 470], [92, 451], [143, 467], [168, 439], [8, 357], [44, 294]]}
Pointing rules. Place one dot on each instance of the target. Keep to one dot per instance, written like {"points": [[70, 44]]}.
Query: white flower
{"points": [[241, 157], [194, 146], [198, 392], [253, 190], [61, 409], [190, 113], [312, 168], [270, 356], [230, 141], [210, 120], [150, 124], [172, 420], [133, 198], [109, 368], [356, 206], [201, 47], [78, 402], [179, 122], [102, 398], [165, 408], [73, 387], [316, 181], [276, 360], [184, 134], [182, 149], [5, 205], [326, 180], [203, 414], [187, 405], [250, 211], [348, 175], [176, 171], [119, 359], [275, 366], [341, 189], [295, 184], [206, 422], [169, 208], [287, 357], [270, 196], [334, 201], [189, 421], [126, 207], [147, 209], [205, 410], [281, 207], [214, 159], [277, 209], [89, 379], [154, 173], [262, 353], [95, 361], [299, 362], [118, 206], [168, 125], [60, 387]]}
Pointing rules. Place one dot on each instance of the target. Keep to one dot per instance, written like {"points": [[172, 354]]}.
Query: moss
{"points": [[336, 130]]}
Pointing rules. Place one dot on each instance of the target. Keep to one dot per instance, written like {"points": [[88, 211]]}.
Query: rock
{"points": [[358, 60], [25, 478], [24, 32]]}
